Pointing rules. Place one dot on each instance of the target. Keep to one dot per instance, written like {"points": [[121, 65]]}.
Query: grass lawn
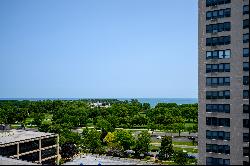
{"points": [[185, 143], [188, 150]]}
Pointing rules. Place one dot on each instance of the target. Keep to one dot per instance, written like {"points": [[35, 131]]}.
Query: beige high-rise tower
{"points": [[223, 82]]}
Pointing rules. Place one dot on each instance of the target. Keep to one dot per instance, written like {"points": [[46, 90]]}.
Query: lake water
{"points": [[154, 101]]}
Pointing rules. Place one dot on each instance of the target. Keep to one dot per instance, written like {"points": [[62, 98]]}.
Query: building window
{"points": [[218, 81], [218, 94], [246, 9], [222, 67], [220, 27], [245, 151], [245, 23], [225, 149], [246, 38], [216, 2], [246, 108], [245, 163], [218, 14], [217, 161], [213, 121], [245, 80], [245, 66], [218, 54], [215, 41], [245, 52], [223, 108], [245, 137], [219, 135], [245, 94], [246, 123]]}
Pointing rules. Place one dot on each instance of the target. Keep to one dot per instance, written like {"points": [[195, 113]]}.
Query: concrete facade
{"points": [[36, 147], [236, 87]]}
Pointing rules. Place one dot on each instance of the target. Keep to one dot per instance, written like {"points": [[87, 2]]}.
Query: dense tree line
{"points": [[67, 115]]}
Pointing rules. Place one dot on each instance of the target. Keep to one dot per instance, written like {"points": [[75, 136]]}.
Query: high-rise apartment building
{"points": [[223, 82]]}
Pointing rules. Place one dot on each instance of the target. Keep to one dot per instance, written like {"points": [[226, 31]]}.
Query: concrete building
{"points": [[223, 82], [36, 147]]}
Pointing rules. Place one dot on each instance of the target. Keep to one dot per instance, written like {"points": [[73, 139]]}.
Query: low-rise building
{"points": [[36, 147]]}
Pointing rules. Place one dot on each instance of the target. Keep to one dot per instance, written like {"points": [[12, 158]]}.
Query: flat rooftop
{"points": [[12, 136], [9, 161]]}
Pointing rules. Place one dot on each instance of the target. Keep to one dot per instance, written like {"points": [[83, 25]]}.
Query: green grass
{"points": [[185, 143], [189, 150]]}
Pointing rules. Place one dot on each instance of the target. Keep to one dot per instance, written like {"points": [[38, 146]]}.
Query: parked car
{"points": [[159, 137]]}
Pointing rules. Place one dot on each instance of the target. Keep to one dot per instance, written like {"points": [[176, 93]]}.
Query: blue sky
{"points": [[98, 48]]}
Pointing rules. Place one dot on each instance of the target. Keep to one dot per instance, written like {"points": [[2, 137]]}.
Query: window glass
{"points": [[208, 134], [245, 52], [215, 14], [227, 12], [245, 9], [221, 67], [221, 80], [227, 67], [245, 137], [227, 26], [220, 108], [215, 54], [221, 14], [246, 123], [215, 41], [246, 38], [227, 53], [245, 108], [208, 107], [208, 41], [227, 40], [215, 68], [245, 23], [209, 81], [245, 80], [227, 94], [209, 15], [226, 161], [208, 54], [214, 81], [221, 54], [245, 94], [227, 81], [245, 66], [208, 68], [227, 136], [226, 108]]}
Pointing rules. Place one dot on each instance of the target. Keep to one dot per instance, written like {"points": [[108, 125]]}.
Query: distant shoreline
{"points": [[152, 101]]}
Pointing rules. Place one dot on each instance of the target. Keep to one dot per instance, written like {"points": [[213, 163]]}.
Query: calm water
{"points": [[151, 101]]}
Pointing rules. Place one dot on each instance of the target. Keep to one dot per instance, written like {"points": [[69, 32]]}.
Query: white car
{"points": [[159, 137]]}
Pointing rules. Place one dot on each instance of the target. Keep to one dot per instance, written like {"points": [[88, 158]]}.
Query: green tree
{"points": [[124, 138], [110, 137], [166, 149], [38, 119], [145, 106], [142, 144], [178, 127], [180, 157], [91, 141]]}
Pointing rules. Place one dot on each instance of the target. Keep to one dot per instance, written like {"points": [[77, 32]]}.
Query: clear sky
{"points": [[98, 48]]}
